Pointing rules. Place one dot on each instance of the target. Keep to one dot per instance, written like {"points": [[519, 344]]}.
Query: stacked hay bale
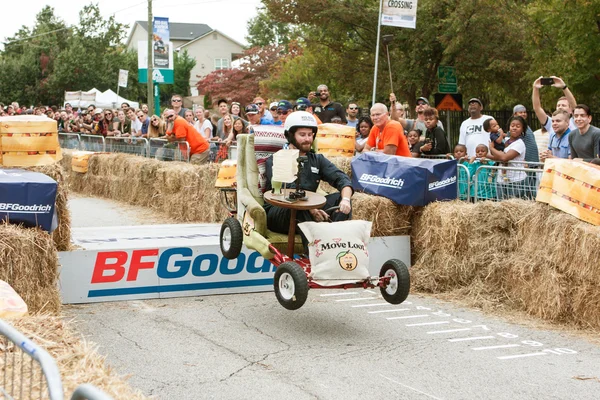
{"points": [[516, 253], [29, 263], [76, 359]]}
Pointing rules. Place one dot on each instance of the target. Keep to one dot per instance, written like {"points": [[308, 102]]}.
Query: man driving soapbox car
{"points": [[338, 253]]}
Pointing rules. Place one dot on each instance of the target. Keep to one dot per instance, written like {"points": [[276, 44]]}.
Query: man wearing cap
{"points": [[326, 109], [472, 133], [351, 115], [284, 108], [265, 117], [179, 130], [253, 114], [531, 147], [410, 124], [386, 135], [303, 104]]}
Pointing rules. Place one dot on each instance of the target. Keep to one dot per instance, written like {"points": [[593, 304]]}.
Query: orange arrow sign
{"points": [[448, 104]]}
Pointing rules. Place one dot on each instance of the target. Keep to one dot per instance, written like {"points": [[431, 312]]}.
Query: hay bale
{"points": [[77, 360], [62, 234], [29, 263], [519, 254], [389, 218]]}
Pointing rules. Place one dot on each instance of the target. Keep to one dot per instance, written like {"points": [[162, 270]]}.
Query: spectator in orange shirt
{"points": [[386, 135], [181, 131]]}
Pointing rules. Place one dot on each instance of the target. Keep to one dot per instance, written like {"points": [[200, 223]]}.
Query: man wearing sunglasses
{"points": [[327, 109], [265, 117], [352, 113], [179, 130], [417, 123], [284, 108], [177, 105]]}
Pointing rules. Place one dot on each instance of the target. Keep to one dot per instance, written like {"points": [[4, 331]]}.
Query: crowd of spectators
{"points": [[566, 133]]}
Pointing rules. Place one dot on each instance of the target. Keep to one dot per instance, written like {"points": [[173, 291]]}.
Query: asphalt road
{"points": [[339, 345]]}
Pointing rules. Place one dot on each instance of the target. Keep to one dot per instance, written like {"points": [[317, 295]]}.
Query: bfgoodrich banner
{"points": [[400, 13], [405, 180]]}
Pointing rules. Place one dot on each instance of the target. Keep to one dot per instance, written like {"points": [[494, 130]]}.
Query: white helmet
{"points": [[300, 119]]}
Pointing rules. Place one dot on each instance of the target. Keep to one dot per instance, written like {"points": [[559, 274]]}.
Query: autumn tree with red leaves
{"points": [[243, 83]]}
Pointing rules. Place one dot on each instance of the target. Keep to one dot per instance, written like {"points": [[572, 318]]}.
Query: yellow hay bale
{"points": [[29, 263], [516, 253], [389, 218], [77, 360]]}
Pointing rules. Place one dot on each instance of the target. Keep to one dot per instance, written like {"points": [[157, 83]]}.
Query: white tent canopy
{"points": [[108, 99]]}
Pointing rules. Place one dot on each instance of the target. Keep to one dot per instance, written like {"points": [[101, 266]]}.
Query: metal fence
{"points": [[69, 140], [29, 372], [163, 150], [501, 183], [129, 145], [464, 182], [92, 143]]}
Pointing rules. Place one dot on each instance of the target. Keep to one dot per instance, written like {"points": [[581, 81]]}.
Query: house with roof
{"points": [[212, 49]]}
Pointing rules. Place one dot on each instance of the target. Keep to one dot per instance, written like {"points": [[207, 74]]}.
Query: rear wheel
{"points": [[396, 291], [231, 238], [291, 285]]}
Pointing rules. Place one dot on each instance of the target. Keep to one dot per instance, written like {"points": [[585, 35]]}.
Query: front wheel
{"points": [[291, 285], [396, 291], [231, 238]]}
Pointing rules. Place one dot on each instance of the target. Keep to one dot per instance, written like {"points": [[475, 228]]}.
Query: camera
{"points": [[547, 81]]}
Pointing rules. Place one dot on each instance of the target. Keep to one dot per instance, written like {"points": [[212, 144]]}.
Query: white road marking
{"points": [[503, 346], [522, 355], [371, 305], [409, 316], [411, 388], [339, 294], [386, 311], [464, 339], [449, 331], [359, 298], [430, 323], [369, 291]]}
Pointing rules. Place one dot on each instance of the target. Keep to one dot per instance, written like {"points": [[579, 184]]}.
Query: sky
{"points": [[227, 16]]}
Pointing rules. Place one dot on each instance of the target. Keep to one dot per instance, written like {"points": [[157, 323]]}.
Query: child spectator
{"points": [[435, 137], [496, 133], [414, 145], [486, 185], [460, 155], [363, 128]]}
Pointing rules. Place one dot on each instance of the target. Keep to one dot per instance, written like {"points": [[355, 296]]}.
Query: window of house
{"points": [[221, 63]]}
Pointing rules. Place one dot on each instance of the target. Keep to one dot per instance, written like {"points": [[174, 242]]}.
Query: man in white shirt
{"points": [[471, 130], [136, 124]]}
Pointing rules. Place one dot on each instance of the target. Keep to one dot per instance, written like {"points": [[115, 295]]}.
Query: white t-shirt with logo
{"points": [[514, 176], [472, 134]]}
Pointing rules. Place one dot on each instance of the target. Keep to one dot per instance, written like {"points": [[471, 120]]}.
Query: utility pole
{"points": [[150, 92]]}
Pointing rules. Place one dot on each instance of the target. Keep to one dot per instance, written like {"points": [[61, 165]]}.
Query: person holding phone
{"points": [[567, 102], [327, 109]]}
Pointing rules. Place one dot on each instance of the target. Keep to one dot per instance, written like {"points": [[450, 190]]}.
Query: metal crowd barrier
{"points": [[130, 145], [92, 143], [464, 182], [436, 156], [69, 140], [28, 371], [163, 150], [514, 182]]}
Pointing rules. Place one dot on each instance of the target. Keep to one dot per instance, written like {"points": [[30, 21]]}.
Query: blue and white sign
{"points": [[405, 180], [27, 198]]}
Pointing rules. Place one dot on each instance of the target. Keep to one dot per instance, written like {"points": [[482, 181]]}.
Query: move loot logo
{"points": [[344, 256], [390, 182], [400, 4], [440, 184], [25, 209]]}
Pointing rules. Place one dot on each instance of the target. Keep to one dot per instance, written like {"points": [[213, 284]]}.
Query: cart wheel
{"points": [[291, 285], [397, 290], [231, 238]]}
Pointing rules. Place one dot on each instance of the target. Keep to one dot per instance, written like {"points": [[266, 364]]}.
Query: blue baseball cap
{"points": [[284, 105]]}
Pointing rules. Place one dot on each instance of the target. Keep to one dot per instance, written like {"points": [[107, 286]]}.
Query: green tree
{"points": [[263, 31]]}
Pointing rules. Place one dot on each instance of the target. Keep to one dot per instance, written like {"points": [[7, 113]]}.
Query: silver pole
{"points": [[377, 51]]}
